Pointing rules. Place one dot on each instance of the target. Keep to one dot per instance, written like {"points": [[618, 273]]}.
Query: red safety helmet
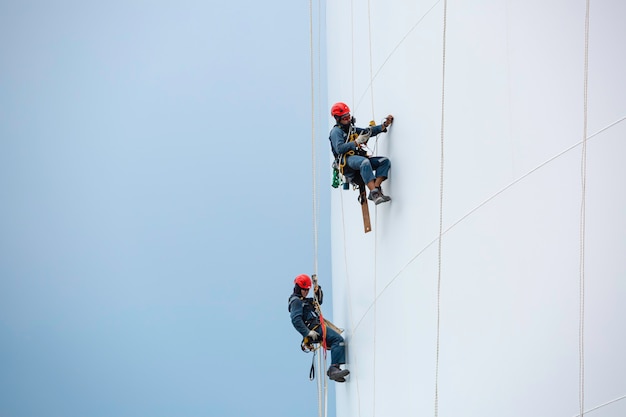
{"points": [[303, 281], [339, 109]]}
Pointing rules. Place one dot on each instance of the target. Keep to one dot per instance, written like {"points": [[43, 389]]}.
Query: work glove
{"points": [[387, 122], [364, 137], [313, 335]]}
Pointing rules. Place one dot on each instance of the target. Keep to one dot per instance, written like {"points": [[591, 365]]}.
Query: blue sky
{"points": [[156, 189]]}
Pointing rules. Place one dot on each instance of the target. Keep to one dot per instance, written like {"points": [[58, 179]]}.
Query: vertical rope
{"points": [[321, 379], [313, 160], [583, 175], [369, 35], [352, 48], [369, 25], [319, 51], [349, 296], [350, 360], [323, 376], [317, 208], [441, 177]]}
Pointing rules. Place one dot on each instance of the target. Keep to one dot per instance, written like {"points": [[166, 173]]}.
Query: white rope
{"points": [[371, 86], [322, 383], [352, 48], [313, 160], [320, 377], [583, 175], [317, 208], [351, 360], [349, 296], [374, 330], [441, 188]]}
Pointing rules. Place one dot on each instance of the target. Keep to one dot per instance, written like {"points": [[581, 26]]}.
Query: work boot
{"points": [[376, 196], [337, 374], [385, 197]]}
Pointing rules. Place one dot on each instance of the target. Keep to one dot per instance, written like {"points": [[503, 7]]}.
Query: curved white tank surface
{"points": [[519, 309]]}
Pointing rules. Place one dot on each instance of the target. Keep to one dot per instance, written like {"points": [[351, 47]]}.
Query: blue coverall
{"points": [[302, 312], [366, 166]]}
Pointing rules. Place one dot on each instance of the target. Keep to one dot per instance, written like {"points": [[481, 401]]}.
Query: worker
{"points": [[306, 320], [350, 153]]}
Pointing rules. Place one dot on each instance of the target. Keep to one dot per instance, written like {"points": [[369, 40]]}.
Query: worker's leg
{"points": [[337, 347]]}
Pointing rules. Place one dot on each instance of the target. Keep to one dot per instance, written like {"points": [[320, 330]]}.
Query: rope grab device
{"points": [[307, 344]]}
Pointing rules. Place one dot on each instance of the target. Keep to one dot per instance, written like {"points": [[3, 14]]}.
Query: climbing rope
{"points": [[313, 159], [349, 296], [343, 221], [583, 174], [322, 384], [352, 46], [369, 24], [315, 185], [322, 381], [441, 177], [374, 330]]}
